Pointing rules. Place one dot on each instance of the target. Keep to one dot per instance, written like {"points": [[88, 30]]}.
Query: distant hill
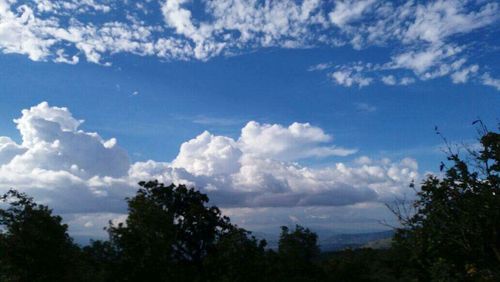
{"points": [[328, 243], [336, 242], [381, 244], [343, 241]]}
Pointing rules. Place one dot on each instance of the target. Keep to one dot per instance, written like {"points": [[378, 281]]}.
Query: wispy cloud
{"points": [[211, 120], [422, 37], [490, 81], [367, 108]]}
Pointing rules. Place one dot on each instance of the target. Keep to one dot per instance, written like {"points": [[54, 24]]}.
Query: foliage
{"points": [[168, 233], [237, 256], [454, 234], [365, 265], [171, 234], [297, 252], [34, 244]]}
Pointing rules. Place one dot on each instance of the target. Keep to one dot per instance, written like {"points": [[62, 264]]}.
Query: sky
{"points": [[284, 112]]}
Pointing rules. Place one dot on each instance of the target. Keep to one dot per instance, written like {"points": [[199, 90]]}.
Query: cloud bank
{"points": [[80, 172], [425, 40]]}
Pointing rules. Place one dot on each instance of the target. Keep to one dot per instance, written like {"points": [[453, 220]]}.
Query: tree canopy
{"points": [[454, 233], [34, 244], [168, 233], [173, 234]]}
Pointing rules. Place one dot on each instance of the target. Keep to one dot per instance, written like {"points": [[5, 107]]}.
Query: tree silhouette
{"points": [[297, 251], [168, 234], [100, 260], [454, 233], [34, 244], [172, 234], [237, 256]]}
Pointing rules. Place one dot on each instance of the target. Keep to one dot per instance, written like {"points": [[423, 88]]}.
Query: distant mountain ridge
{"points": [[342, 241], [335, 242]]}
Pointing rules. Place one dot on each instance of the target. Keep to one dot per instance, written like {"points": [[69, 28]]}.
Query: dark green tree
{"points": [[366, 264], [454, 232], [34, 244], [101, 261], [297, 252], [168, 234], [238, 256]]}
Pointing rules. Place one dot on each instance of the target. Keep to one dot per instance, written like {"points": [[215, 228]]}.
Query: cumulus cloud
{"points": [[60, 164], [86, 177], [79, 171], [209, 155], [9, 149], [53, 142], [297, 141]]}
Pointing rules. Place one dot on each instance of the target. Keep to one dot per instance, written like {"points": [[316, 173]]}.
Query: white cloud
{"points": [[438, 20], [42, 30], [490, 81], [9, 149], [389, 80], [18, 32], [61, 58], [83, 226], [299, 140], [238, 23], [392, 80], [209, 155], [53, 142], [349, 219], [77, 6], [347, 11], [462, 76], [59, 163], [86, 177], [80, 171], [422, 23], [320, 67], [349, 77], [407, 80], [178, 18], [364, 107], [420, 36], [423, 60]]}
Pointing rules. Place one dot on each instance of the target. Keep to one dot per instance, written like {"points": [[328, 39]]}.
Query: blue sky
{"points": [[365, 83]]}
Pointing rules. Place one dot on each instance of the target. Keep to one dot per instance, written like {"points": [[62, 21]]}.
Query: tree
{"points": [[100, 258], [168, 234], [34, 244], [364, 264], [454, 233], [297, 251], [237, 256]]}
